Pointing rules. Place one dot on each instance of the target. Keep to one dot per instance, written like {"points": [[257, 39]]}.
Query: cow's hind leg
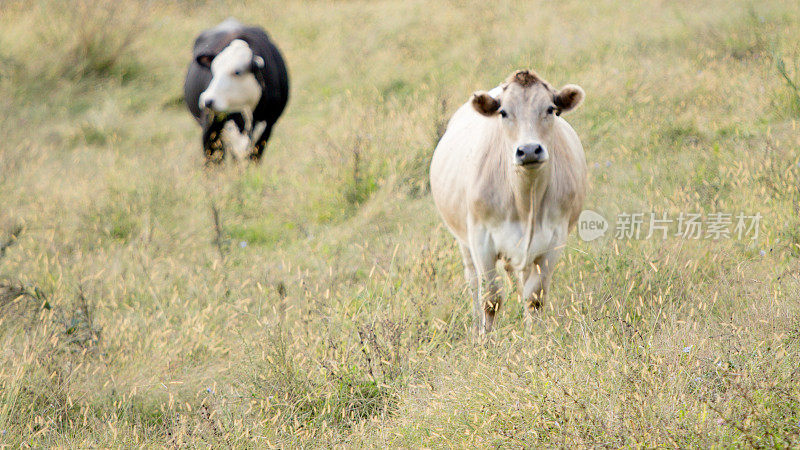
{"points": [[472, 278]]}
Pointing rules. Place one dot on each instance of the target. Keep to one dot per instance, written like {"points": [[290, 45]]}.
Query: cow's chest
{"points": [[510, 239]]}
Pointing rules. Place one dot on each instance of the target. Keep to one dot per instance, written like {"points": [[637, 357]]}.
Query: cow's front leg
{"points": [[484, 258], [261, 133], [537, 281], [534, 287], [213, 144], [236, 141]]}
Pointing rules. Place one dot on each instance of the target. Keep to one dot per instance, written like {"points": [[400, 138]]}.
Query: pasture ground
{"points": [[316, 300]]}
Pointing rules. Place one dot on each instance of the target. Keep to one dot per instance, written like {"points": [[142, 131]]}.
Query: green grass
{"points": [[323, 304]]}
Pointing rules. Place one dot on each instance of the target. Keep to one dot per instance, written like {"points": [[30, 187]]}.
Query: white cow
{"points": [[509, 179]]}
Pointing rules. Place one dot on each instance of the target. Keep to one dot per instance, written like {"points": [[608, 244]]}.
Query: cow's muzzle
{"points": [[530, 155]]}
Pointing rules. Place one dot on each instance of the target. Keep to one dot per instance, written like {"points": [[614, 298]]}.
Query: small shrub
{"points": [[20, 301], [41, 397], [291, 397], [78, 323], [261, 232], [90, 37], [791, 77], [361, 184], [13, 235]]}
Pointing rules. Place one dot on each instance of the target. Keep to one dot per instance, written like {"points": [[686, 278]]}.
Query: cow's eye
{"points": [[503, 113], [237, 72], [552, 109]]}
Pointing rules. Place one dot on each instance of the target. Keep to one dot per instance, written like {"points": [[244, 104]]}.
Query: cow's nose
{"points": [[209, 103], [530, 154], [529, 150]]}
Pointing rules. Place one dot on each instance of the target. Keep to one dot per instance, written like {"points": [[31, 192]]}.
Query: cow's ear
{"points": [[204, 60], [485, 103], [569, 97], [258, 63]]}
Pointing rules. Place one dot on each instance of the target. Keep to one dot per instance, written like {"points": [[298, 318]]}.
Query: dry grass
{"points": [[316, 299]]}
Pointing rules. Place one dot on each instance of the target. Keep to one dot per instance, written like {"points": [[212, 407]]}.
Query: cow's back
{"points": [[276, 78], [454, 166]]}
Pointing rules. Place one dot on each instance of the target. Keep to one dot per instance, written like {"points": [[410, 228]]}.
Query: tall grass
{"points": [[90, 38], [317, 300], [791, 76]]}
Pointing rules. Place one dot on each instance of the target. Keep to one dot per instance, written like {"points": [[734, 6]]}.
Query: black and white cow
{"points": [[236, 88]]}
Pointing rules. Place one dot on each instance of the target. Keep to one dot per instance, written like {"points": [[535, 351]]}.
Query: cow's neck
{"points": [[528, 189]]}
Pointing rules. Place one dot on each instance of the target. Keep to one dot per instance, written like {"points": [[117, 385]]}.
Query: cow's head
{"points": [[234, 85], [528, 108]]}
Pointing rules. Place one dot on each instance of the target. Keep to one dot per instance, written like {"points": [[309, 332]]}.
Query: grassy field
{"points": [[316, 299]]}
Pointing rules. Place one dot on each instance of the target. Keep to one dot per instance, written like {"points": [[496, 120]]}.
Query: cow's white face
{"points": [[527, 107], [233, 86]]}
